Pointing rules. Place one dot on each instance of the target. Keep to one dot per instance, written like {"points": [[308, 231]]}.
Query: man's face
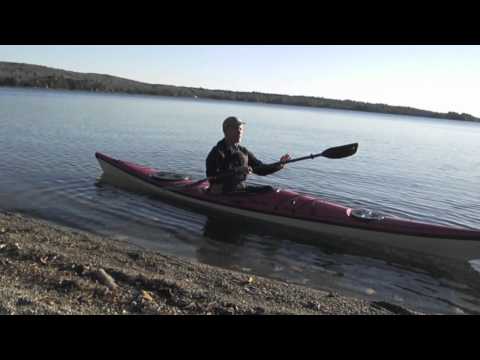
{"points": [[234, 134]]}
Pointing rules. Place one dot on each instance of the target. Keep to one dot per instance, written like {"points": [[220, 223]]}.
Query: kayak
{"points": [[291, 209]]}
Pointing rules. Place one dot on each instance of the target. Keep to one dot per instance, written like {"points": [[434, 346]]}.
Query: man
{"points": [[228, 157]]}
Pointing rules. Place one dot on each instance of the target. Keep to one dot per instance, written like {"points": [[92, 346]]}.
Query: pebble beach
{"points": [[50, 269]]}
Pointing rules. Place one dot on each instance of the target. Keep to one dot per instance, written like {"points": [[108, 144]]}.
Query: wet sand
{"points": [[49, 269]]}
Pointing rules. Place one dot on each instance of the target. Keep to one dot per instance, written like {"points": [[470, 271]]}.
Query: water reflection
{"points": [[228, 243], [226, 229]]}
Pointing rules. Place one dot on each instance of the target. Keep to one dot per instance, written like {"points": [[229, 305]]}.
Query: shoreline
{"points": [[51, 269], [189, 98], [13, 74]]}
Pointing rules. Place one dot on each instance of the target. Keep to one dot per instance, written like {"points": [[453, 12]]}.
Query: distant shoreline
{"points": [[36, 76], [94, 93]]}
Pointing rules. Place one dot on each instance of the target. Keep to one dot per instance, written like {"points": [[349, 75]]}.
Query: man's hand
{"points": [[283, 159]]}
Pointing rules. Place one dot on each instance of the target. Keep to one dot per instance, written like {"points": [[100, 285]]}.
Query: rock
{"points": [[314, 305], [259, 310], [396, 309], [180, 303], [134, 256], [370, 291], [146, 295], [106, 279], [68, 285], [24, 301], [191, 306], [250, 289], [82, 299]]}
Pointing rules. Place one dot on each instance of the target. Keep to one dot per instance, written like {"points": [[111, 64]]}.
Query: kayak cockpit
{"points": [[365, 214]]}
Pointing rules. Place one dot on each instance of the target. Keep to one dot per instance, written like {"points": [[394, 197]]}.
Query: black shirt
{"points": [[223, 158]]}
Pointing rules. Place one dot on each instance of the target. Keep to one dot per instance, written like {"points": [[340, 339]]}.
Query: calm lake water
{"points": [[419, 168]]}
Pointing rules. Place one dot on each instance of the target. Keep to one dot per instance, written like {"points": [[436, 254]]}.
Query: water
{"points": [[417, 168]]}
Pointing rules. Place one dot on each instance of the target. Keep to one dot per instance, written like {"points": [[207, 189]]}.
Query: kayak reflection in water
{"points": [[226, 230], [229, 164]]}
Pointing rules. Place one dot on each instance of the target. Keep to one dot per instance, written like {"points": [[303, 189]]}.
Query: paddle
{"points": [[337, 152]]}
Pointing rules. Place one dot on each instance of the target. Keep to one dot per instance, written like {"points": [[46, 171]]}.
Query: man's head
{"points": [[233, 129]]}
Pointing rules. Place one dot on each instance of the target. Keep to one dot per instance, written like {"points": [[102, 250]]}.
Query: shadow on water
{"points": [[225, 238], [238, 240], [227, 230]]}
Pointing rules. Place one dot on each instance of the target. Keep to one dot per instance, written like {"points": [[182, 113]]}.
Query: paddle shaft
{"points": [[311, 156]]}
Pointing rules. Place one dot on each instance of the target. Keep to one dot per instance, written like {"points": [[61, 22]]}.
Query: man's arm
{"points": [[259, 167]]}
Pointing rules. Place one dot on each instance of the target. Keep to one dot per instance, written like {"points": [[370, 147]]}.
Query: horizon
{"points": [[434, 78]]}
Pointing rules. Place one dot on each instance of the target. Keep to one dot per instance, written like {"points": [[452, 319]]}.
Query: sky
{"points": [[437, 78]]}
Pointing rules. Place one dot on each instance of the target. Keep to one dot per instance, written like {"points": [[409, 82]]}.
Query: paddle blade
{"points": [[340, 151]]}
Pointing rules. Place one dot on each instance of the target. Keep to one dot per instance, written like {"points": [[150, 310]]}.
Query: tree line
{"points": [[26, 75]]}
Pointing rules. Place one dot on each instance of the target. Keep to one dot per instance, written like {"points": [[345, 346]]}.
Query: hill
{"points": [[27, 75]]}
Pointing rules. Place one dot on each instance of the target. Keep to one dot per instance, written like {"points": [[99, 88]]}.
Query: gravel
{"points": [[48, 269]]}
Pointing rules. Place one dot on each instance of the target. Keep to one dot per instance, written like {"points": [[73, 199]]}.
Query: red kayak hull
{"points": [[288, 207]]}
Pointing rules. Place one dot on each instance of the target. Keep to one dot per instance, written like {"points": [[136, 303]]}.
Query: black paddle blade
{"points": [[340, 151]]}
